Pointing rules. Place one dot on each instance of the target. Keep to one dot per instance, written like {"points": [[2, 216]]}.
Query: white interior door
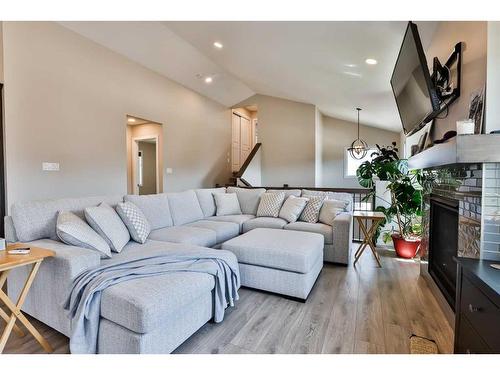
{"points": [[245, 139], [235, 143]]}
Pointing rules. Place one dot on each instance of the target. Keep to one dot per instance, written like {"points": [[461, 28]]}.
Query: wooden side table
{"points": [[376, 219], [7, 263]]}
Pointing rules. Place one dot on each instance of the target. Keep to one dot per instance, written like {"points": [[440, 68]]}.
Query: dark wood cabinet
{"points": [[477, 319]]}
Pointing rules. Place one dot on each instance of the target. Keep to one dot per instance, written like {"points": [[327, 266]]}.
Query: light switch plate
{"points": [[53, 167], [170, 171]]}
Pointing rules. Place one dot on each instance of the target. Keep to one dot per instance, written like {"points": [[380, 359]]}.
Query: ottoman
{"points": [[279, 261]]}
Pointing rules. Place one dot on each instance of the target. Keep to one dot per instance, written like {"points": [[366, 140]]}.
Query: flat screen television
{"points": [[411, 83]]}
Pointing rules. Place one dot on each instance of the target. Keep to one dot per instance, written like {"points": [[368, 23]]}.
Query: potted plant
{"points": [[406, 189]]}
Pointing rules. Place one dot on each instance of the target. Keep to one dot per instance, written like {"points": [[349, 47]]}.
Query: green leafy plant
{"points": [[406, 187]]}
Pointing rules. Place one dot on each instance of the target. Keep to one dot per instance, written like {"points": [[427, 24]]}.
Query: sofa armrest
{"points": [[342, 227], [53, 282]]}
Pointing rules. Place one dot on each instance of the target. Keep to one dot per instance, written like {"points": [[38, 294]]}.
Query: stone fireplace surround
{"points": [[476, 187]]}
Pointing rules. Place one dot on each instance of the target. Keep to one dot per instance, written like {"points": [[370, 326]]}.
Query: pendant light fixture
{"points": [[359, 148]]}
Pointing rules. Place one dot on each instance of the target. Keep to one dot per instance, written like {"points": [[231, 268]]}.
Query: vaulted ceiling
{"points": [[321, 63]]}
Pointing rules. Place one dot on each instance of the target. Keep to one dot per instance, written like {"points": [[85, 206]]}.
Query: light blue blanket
{"points": [[84, 300]]}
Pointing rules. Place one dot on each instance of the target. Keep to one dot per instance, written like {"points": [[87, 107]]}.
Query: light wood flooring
{"points": [[350, 310]]}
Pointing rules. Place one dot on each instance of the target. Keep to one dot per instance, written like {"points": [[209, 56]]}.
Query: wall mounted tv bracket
{"points": [[447, 90]]}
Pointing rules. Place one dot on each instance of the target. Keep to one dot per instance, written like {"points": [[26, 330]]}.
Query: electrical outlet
{"points": [[170, 171], [52, 167]]}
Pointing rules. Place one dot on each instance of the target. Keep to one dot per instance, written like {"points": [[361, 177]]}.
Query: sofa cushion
{"points": [[74, 231], [249, 198], [280, 249], [135, 221], [185, 234], [288, 192], [263, 222], [224, 231], [206, 199], [270, 204], [35, 220], [324, 229], [227, 204], [106, 222], [292, 208], [184, 207], [331, 195], [238, 219], [330, 209], [155, 207], [141, 305]]}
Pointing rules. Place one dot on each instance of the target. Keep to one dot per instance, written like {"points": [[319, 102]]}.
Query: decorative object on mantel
{"points": [[406, 188], [465, 127], [359, 148], [414, 150], [476, 109], [421, 142], [446, 137]]}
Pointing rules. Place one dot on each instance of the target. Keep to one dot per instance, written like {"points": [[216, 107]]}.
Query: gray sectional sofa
{"points": [[156, 314]]}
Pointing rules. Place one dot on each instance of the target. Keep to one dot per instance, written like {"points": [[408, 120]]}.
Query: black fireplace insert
{"points": [[443, 245]]}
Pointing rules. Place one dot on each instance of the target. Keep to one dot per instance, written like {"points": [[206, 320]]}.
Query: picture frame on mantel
{"points": [[476, 109]]}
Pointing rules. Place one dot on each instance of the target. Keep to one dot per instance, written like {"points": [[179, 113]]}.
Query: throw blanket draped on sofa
{"points": [[84, 299]]}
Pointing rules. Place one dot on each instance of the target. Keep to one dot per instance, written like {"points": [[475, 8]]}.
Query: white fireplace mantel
{"points": [[481, 148]]}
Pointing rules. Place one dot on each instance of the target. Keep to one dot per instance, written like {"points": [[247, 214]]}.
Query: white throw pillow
{"points": [[106, 222], [292, 208], [330, 209], [310, 214], [227, 204], [74, 231], [135, 220], [270, 204]]}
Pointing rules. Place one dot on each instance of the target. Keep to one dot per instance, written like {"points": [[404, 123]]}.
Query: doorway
{"points": [[144, 155], [244, 124]]}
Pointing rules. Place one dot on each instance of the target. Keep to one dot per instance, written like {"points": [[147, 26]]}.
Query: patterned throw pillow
{"points": [[311, 211], [270, 204], [330, 209], [106, 222], [292, 208], [134, 220], [74, 231]]}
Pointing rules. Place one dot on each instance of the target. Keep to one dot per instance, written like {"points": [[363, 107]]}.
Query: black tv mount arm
{"points": [[441, 75]]}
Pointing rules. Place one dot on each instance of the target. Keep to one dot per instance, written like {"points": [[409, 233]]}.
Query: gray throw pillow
{"points": [[227, 204], [106, 222], [135, 220], [311, 211], [330, 209], [292, 208], [249, 198], [72, 230], [270, 204]]}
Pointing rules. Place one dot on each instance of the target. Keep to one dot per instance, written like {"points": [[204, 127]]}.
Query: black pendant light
{"points": [[359, 148]]}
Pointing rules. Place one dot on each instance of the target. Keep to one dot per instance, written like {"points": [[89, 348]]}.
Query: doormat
{"points": [[422, 345]]}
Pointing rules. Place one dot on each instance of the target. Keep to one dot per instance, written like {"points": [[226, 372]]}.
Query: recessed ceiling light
{"points": [[371, 61], [218, 45], [131, 119], [208, 80]]}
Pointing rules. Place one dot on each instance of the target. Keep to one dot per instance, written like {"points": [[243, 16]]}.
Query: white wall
{"points": [[493, 78], [339, 134], [66, 99], [287, 134]]}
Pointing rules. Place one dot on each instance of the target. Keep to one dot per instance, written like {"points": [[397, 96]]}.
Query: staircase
{"points": [[239, 177]]}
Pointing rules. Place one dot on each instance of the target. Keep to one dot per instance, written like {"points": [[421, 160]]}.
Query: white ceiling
{"points": [[321, 63]]}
